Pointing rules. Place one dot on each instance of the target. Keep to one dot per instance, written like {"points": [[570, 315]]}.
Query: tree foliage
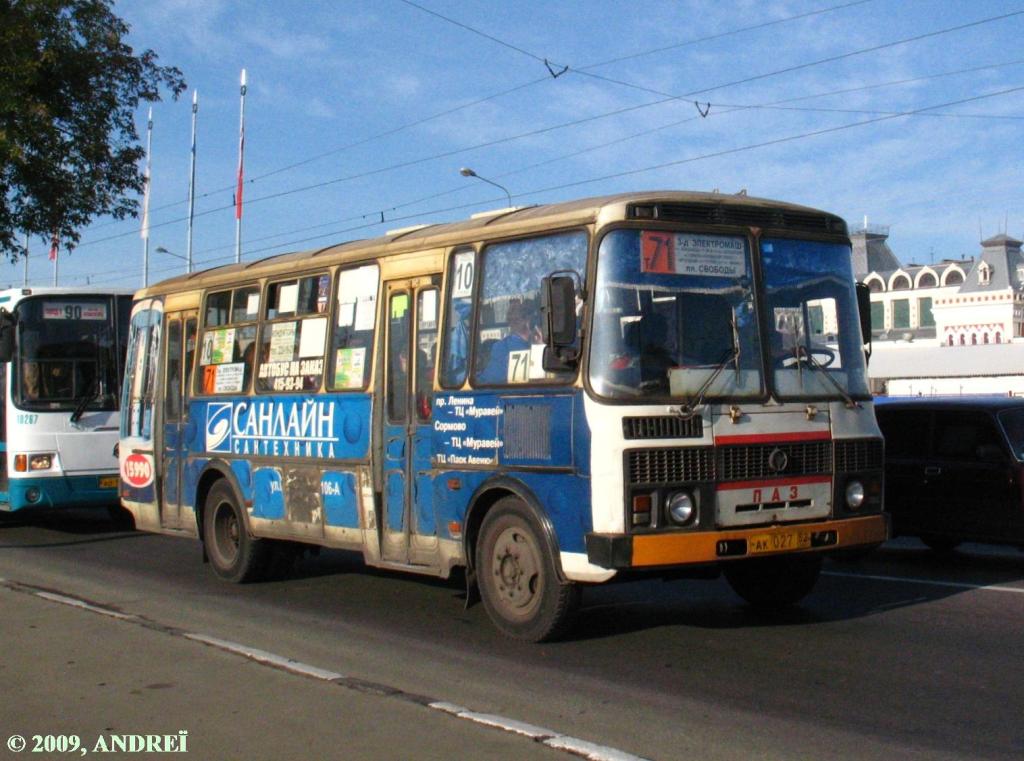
{"points": [[69, 88]]}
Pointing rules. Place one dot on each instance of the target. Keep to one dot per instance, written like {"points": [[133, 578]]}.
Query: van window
{"points": [[1013, 424], [906, 432], [964, 436]]}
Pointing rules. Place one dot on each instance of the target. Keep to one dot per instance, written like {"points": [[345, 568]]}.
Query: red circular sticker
{"points": [[137, 470]]}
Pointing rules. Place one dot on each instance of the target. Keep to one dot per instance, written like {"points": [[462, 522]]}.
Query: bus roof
{"points": [[10, 296], [498, 223]]}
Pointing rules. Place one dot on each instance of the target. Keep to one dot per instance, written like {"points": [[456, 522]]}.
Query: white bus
{"points": [[61, 361]]}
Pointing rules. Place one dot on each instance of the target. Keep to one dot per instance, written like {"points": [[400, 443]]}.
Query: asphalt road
{"points": [[901, 655]]}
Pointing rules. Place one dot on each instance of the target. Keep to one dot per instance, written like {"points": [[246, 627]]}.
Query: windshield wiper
{"points": [[690, 406], [801, 353], [84, 401]]}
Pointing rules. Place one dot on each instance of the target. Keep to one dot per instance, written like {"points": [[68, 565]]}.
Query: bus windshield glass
{"points": [[816, 348], [675, 317], [68, 353]]}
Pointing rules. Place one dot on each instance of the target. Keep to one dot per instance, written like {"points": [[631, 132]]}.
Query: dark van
{"points": [[954, 468]]}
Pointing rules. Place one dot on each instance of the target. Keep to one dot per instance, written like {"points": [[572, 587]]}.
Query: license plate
{"points": [[108, 482], [779, 541]]}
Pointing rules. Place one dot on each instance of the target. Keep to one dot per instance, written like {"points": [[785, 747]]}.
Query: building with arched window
{"points": [[956, 302]]}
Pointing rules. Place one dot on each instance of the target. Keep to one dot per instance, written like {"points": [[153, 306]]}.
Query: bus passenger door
{"points": [[179, 344], [408, 529]]}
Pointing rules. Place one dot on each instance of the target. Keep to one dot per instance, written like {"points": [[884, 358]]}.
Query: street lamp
{"points": [[162, 250], [467, 172]]}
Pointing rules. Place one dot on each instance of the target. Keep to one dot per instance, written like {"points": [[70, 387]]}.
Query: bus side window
{"points": [[172, 390], [291, 351], [455, 357], [508, 346], [426, 351], [355, 315], [228, 341]]}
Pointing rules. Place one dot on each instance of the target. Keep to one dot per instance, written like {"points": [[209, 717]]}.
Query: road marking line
{"points": [[76, 603], [262, 656], [548, 737], [928, 582], [493, 720], [589, 750]]}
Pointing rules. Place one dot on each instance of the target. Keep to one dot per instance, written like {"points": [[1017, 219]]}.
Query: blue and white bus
{"points": [[550, 396], [63, 357]]}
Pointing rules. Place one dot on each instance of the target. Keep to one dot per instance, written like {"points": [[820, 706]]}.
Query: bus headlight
{"points": [[40, 461], [854, 495], [681, 508]]}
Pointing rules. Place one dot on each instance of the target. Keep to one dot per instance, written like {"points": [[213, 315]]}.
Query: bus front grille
{"points": [[802, 458], [858, 454], [675, 465], [662, 427]]}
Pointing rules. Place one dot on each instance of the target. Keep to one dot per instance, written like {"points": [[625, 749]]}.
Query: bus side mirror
{"points": [[558, 313], [864, 309], [7, 324]]}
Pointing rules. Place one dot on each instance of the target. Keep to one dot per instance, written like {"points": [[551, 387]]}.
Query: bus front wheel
{"points": [[774, 582], [234, 555], [516, 574]]}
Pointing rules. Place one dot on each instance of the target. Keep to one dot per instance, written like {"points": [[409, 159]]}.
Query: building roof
{"points": [[983, 360], [1002, 256]]}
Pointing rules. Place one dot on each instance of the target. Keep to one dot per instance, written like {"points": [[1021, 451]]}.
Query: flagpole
{"points": [[192, 183], [238, 189], [145, 200], [26, 260]]}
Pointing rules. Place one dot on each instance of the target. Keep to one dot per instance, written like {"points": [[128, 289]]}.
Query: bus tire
{"points": [[516, 574], [775, 582], [234, 555]]}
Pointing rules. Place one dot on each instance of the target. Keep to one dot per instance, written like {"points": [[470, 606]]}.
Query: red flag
{"points": [[54, 245], [241, 150]]}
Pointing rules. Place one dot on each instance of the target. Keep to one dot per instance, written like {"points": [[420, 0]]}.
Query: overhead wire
{"points": [[654, 167], [469, 104]]}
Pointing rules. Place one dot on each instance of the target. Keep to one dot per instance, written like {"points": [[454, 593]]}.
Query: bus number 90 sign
{"points": [[137, 470]]}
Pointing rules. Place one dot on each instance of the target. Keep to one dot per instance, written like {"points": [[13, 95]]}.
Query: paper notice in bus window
{"points": [[312, 338], [518, 366], [657, 252], [710, 255], [348, 368], [209, 378], [252, 306], [428, 309], [366, 311], [205, 357], [287, 298], [537, 362], [282, 342], [229, 378], [223, 346], [346, 315], [462, 276]]}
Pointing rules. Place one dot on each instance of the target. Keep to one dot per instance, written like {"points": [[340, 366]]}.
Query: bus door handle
{"points": [[932, 470]]}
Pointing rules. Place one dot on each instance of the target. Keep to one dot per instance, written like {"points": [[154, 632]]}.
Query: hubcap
{"points": [[227, 533], [516, 571]]}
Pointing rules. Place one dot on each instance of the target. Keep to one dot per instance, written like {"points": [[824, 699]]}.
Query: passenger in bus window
{"points": [[522, 334], [30, 375]]}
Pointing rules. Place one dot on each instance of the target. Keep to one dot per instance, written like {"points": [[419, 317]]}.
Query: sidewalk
{"points": [[66, 671]]}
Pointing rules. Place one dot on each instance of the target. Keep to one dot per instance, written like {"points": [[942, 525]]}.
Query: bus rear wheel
{"points": [[774, 582], [516, 574], [234, 555]]}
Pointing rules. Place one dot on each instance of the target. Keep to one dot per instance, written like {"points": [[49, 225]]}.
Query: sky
{"points": [[361, 111]]}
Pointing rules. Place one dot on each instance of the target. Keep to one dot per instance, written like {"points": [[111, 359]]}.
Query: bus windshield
{"points": [[68, 353], [814, 328], [674, 316]]}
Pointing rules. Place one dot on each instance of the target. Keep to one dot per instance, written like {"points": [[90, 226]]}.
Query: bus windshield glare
{"points": [[674, 316], [815, 340], [67, 353]]}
